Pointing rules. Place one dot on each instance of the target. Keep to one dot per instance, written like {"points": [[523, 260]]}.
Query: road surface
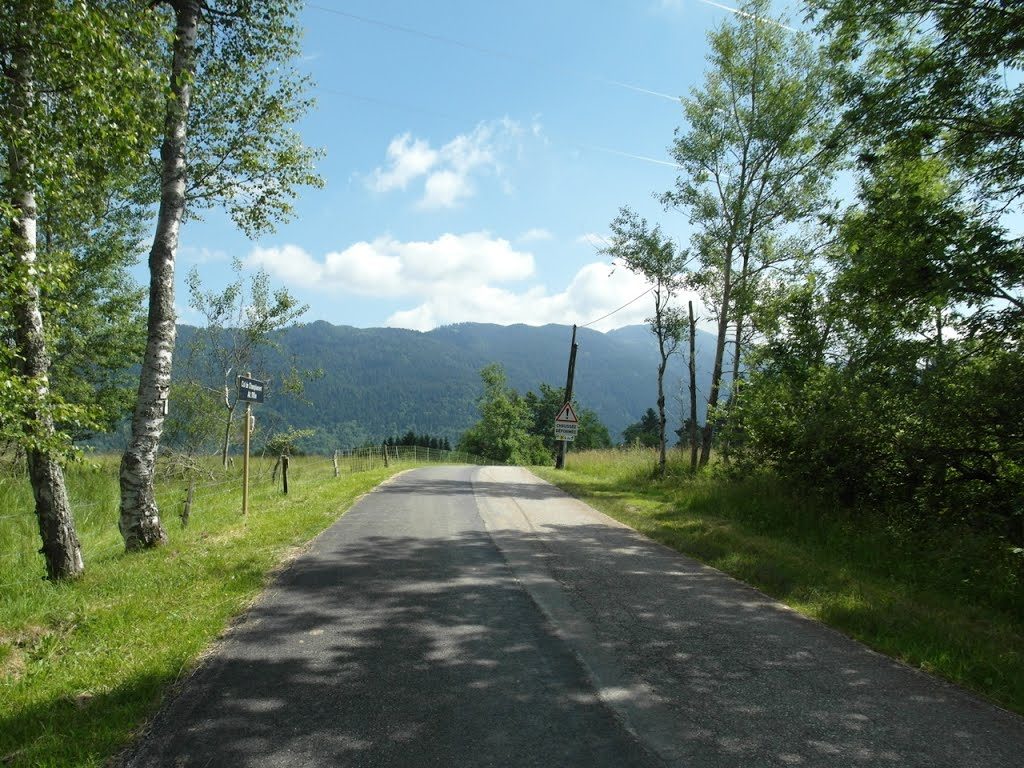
{"points": [[463, 616]]}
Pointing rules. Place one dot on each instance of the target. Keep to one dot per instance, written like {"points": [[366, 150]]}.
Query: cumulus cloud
{"points": [[449, 172], [595, 290], [471, 277], [388, 267], [408, 158]]}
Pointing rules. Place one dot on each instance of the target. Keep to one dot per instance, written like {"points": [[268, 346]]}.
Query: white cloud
{"points": [[193, 255], [388, 267], [472, 277], [445, 189], [594, 291], [535, 235], [409, 158], [449, 171]]}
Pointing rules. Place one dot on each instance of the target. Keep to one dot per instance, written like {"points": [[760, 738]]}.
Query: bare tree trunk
{"points": [[226, 441], [693, 390], [140, 519], [661, 407], [61, 548], [716, 373]]}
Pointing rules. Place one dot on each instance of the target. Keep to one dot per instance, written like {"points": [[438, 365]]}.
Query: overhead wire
{"points": [[495, 52], [631, 301]]}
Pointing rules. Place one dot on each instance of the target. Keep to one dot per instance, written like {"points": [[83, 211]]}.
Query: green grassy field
{"points": [[951, 603], [83, 664]]}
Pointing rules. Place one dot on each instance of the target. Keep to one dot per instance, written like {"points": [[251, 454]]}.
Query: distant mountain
{"points": [[385, 381]]}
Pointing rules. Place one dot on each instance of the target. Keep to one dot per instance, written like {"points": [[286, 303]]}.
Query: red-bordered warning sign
{"points": [[567, 415]]}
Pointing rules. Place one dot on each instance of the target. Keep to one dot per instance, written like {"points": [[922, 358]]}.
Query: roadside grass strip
{"points": [[82, 665], [950, 602]]}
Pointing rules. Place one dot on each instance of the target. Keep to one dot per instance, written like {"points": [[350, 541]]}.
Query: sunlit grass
{"points": [[948, 602], [83, 664]]}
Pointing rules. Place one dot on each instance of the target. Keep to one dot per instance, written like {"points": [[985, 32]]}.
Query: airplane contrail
{"points": [[738, 12]]}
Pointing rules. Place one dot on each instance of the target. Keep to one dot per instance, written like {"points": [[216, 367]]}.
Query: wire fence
{"points": [[19, 536]]}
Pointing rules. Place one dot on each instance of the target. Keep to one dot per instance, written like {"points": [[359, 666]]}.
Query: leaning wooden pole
{"points": [[569, 376]]}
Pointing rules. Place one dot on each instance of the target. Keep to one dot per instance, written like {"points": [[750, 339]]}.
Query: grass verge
{"points": [[82, 665], [950, 603]]}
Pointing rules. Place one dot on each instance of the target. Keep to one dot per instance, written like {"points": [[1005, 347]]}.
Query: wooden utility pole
{"points": [[560, 458]]}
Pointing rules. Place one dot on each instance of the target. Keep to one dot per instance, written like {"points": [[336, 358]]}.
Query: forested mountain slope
{"points": [[384, 381]]}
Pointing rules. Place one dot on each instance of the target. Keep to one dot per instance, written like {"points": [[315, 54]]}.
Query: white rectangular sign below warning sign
{"points": [[566, 431]]}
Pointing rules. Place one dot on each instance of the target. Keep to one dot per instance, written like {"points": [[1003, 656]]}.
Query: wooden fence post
{"points": [[284, 472], [335, 463], [187, 510]]}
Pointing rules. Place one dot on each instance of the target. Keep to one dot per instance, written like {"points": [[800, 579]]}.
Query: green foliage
{"points": [[194, 418], [645, 433], [516, 429], [410, 438], [923, 76], [892, 383], [545, 406], [75, 133], [287, 442], [244, 155], [503, 432]]}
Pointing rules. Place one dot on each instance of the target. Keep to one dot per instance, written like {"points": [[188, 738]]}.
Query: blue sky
{"points": [[471, 178]]}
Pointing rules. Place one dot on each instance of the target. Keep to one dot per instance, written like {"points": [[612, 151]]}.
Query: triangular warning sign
{"points": [[567, 415]]}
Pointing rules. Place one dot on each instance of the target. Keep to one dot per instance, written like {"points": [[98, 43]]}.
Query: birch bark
{"points": [[140, 518], [61, 548]]}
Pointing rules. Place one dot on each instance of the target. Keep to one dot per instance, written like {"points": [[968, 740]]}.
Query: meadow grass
{"points": [[948, 602], [83, 664]]}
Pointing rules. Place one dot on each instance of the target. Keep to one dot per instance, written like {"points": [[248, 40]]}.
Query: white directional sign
{"points": [[566, 424]]}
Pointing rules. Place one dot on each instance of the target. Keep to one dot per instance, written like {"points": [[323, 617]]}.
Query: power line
{"points": [[495, 52], [602, 317]]}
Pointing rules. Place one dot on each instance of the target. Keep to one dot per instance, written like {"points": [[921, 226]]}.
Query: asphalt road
{"points": [[462, 616]]}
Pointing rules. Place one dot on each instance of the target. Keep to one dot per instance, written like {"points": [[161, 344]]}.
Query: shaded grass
{"points": [[83, 664], [949, 602]]}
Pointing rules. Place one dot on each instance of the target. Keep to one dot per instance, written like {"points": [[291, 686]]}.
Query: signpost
{"points": [[251, 391], [566, 424]]}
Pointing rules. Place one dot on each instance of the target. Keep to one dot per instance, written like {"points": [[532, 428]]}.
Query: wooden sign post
{"points": [[251, 391]]}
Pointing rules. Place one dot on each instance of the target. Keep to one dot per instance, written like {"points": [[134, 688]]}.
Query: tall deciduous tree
{"points": [[756, 157], [934, 74], [239, 323], [646, 251], [503, 432], [231, 101], [70, 131]]}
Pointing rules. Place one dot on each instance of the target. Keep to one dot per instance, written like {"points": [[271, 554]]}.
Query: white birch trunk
{"points": [[61, 548], [140, 519]]}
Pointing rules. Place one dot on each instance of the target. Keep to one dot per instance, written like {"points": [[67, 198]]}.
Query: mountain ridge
{"points": [[385, 381]]}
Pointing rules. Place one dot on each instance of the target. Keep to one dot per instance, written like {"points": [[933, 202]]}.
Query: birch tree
{"points": [[643, 249], [231, 100], [71, 92], [757, 156]]}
